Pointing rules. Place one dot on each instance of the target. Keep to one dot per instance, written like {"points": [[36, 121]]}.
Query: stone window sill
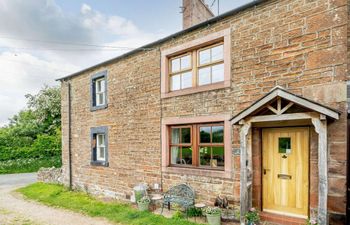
{"points": [[100, 107], [99, 163], [221, 85], [198, 172]]}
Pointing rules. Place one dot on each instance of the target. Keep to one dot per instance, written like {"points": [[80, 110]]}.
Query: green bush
{"points": [[28, 165], [44, 146]]}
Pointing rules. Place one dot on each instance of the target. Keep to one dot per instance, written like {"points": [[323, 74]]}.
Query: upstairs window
{"points": [[99, 91], [197, 65], [203, 66]]}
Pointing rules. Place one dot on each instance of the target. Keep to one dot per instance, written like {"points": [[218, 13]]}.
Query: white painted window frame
{"points": [[101, 91], [100, 146]]}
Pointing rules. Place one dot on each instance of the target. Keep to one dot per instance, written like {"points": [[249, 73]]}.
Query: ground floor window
{"points": [[99, 146], [197, 145]]}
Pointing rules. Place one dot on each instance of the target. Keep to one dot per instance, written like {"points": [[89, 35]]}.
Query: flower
{"points": [[144, 199], [312, 221], [212, 210]]}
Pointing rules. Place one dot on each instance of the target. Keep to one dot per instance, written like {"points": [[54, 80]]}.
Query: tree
{"points": [[46, 108]]}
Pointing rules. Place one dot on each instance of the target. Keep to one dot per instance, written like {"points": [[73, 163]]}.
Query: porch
{"points": [[275, 136]]}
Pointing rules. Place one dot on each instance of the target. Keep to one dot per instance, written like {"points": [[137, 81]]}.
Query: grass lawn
{"points": [[28, 165], [57, 195]]}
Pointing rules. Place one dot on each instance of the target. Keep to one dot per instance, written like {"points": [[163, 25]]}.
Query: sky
{"points": [[42, 40]]}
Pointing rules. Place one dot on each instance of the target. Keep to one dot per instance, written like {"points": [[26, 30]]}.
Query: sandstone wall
{"points": [[298, 44]]}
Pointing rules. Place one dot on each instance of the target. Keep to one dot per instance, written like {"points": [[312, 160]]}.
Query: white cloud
{"points": [[113, 24], [28, 65]]}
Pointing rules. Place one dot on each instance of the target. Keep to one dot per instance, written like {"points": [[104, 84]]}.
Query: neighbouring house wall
{"points": [[300, 45]]}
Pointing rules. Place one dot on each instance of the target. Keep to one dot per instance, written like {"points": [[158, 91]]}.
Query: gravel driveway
{"points": [[15, 210]]}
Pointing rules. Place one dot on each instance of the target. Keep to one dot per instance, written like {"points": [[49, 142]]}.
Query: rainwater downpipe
{"points": [[70, 137]]}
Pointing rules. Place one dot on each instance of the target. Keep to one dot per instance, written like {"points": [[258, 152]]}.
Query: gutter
{"points": [[151, 45]]}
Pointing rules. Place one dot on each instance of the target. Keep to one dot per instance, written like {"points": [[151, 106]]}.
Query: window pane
{"points": [[218, 73], [186, 135], [204, 156], [218, 156], [204, 134], [185, 62], [218, 134], [186, 156], [204, 76], [101, 153], [284, 145], [217, 53], [175, 65], [102, 85], [175, 135], [186, 80], [175, 83], [98, 86], [175, 155], [100, 99], [204, 57], [100, 140]]}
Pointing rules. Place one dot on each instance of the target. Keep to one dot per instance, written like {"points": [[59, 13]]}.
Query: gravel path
{"points": [[17, 211]]}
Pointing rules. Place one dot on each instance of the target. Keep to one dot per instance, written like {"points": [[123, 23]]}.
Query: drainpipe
{"points": [[161, 117], [70, 136]]}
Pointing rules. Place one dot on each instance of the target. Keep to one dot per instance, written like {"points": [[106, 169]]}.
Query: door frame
{"points": [[262, 173]]}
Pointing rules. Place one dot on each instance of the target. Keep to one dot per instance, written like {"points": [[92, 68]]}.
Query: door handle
{"points": [[265, 170]]}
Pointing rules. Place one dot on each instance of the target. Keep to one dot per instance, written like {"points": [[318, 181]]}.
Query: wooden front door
{"points": [[286, 171]]}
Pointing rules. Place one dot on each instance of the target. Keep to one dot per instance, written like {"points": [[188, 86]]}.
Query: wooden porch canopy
{"points": [[283, 107]]}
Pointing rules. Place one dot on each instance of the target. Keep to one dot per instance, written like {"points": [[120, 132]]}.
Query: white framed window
{"points": [[100, 91], [100, 147]]}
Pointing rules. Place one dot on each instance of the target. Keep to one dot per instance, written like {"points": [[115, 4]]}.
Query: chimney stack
{"points": [[195, 12]]}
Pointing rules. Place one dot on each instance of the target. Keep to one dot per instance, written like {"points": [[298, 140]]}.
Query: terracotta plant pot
{"points": [[143, 206], [214, 219]]}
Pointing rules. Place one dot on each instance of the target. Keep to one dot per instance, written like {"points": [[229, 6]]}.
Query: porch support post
{"points": [[321, 128], [243, 173]]}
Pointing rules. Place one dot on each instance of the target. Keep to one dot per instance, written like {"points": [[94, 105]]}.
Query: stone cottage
{"points": [[250, 104]]}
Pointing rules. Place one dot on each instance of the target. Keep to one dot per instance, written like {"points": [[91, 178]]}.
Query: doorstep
{"points": [[281, 219]]}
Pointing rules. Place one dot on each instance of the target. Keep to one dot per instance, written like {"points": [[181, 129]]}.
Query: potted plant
{"points": [[252, 217], [213, 215], [143, 203]]}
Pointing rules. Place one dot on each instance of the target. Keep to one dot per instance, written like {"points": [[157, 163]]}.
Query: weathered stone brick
{"points": [[335, 55], [326, 20]]}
